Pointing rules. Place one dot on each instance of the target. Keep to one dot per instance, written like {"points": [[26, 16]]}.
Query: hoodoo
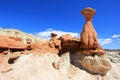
{"points": [[89, 40]]}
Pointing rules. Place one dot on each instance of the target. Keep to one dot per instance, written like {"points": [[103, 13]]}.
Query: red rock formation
{"points": [[54, 42], [40, 47], [3, 44], [11, 42], [69, 43], [88, 35], [89, 40], [51, 46]]}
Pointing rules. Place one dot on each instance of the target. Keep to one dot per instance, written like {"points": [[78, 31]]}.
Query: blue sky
{"points": [[41, 17]]}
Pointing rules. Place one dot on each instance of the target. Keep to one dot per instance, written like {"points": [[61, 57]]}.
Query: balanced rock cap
{"points": [[88, 10]]}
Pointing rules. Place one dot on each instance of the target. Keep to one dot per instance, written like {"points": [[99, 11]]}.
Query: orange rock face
{"points": [[39, 47], [51, 46], [11, 42], [89, 36], [69, 43]]}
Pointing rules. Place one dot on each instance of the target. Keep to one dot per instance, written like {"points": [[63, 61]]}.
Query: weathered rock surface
{"points": [[9, 51], [96, 65], [54, 42], [19, 34], [43, 48], [39, 67], [52, 46], [11, 42], [114, 73], [7, 60], [69, 43], [92, 64]]}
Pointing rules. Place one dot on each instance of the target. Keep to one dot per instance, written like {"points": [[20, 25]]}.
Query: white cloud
{"points": [[105, 41], [46, 33], [116, 36]]}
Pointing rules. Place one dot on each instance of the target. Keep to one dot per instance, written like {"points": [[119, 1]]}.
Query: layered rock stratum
{"points": [[19, 34], [27, 57]]}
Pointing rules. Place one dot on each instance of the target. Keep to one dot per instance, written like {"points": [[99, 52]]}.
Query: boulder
{"points": [[95, 64]]}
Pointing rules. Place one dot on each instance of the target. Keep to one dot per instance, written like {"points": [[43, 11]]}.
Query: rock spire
{"points": [[89, 40]]}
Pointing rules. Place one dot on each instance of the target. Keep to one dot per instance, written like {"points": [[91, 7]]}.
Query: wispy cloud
{"points": [[105, 41], [46, 33], [116, 36]]}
